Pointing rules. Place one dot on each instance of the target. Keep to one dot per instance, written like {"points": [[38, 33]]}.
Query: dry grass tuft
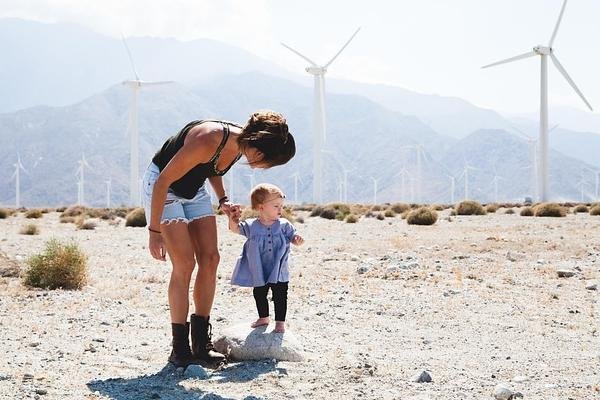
{"points": [[33, 213], [595, 210], [30, 229], [422, 216], [581, 208], [469, 207], [136, 218], [549, 210], [492, 208], [527, 212], [60, 265], [351, 219]]}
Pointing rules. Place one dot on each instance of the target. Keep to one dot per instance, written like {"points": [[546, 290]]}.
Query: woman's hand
{"points": [[232, 210], [157, 246]]}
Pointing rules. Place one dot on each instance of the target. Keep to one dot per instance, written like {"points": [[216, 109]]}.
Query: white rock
{"points": [[422, 377], [242, 342], [520, 378], [503, 392], [591, 286]]}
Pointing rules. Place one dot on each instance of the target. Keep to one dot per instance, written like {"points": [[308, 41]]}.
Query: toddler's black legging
{"points": [[279, 291]]}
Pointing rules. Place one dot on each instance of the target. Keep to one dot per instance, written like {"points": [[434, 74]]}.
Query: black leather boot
{"points": [[181, 355], [202, 346]]}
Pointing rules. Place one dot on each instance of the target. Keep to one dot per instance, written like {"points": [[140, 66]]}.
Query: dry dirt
{"points": [[475, 301]]}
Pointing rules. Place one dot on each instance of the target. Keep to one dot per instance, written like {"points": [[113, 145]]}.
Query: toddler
{"points": [[263, 263]]}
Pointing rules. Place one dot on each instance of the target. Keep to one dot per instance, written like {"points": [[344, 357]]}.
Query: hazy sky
{"points": [[429, 46]]}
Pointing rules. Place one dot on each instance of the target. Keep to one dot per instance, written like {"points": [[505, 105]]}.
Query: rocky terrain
{"points": [[474, 301]]}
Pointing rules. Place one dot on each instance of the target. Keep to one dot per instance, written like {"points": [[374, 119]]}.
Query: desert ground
{"points": [[474, 300]]}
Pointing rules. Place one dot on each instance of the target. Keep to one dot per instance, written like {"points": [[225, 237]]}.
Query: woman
{"points": [[181, 218]]}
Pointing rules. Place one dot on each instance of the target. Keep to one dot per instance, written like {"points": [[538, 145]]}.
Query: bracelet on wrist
{"points": [[222, 200], [153, 230]]}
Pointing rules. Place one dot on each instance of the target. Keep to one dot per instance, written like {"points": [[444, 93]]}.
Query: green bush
{"points": [[60, 265], [469, 207], [422, 216], [581, 209], [549, 210], [33, 213], [136, 218], [527, 212], [595, 210], [30, 229], [351, 219]]}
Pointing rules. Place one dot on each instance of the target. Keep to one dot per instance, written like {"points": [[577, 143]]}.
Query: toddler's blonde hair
{"points": [[261, 192]]}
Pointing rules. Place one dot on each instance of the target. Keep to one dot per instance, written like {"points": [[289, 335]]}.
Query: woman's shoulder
{"points": [[205, 133]]}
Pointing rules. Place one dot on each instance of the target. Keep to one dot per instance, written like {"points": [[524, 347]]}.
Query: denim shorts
{"points": [[177, 209]]}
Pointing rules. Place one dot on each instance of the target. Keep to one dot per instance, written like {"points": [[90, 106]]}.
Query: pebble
{"points": [[422, 377], [565, 273], [520, 379], [362, 269], [591, 286], [41, 391]]}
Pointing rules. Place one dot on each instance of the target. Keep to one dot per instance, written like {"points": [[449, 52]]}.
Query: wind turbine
{"points": [[374, 190], [544, 52], [296, 177], [465, 175], [452, 186], [17, 177], [318, 116], [83, 164], [495, 183], [251, 176], [108, 187], [133, 128]]}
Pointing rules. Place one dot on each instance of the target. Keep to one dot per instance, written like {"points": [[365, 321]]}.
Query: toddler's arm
{"points": [[234, 219]]}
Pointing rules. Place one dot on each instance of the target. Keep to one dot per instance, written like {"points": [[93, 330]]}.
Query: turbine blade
{"points": [[156, 83], [562, 10], [130, 58], [342, 49], [568, 78], [515, 58], [520, 132], [553, 128], [299, 54]]}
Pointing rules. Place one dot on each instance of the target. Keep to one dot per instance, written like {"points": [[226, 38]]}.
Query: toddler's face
{"points": [[272, 208]]}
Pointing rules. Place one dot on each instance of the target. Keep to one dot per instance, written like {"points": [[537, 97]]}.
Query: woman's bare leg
{"points": [[203, 234], [181, 253]]}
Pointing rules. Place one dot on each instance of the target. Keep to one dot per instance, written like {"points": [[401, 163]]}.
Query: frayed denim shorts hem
{"points": [[176, 209]]}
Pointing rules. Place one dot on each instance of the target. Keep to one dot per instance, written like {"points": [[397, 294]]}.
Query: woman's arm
{"points": [[217, 184]]}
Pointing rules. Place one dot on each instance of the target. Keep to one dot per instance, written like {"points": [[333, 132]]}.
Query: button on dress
{"points": [[264, 258]]}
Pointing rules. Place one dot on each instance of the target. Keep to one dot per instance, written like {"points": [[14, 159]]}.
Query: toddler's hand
{"points": [[297, 240]]}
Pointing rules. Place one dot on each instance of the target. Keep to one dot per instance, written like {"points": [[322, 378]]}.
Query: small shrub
{"points": [[453, 213], [437, 207], [66, 220], [73, 211], [4, 213], [422, 216], [351, 219], [33, 213], [509, 211], [83, 224], [380, 216], [316, 211], [60, 265], [61, 209], [399, 208], [595, 210], [328, 213], [526, 212], [45, 210], [376, 207], [389, 213], [300, 220], [30, 229], [549, 210], [136, 218], [581, 209], [405, 214], [469, 207], [492, 208]]}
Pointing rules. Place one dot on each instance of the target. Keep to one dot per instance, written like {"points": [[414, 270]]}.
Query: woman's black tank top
{"points": [[187, 186]]}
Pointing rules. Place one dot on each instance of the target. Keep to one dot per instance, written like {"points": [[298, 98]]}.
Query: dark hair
{"points": [[267, 132]]}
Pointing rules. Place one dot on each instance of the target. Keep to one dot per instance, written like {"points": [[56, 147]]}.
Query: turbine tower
{"points": [[544, 52], [319, 116], [133, 129], [17, 177], [83, 164]]}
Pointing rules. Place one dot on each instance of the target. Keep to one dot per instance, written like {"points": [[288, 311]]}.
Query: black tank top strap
{"points": [[215, 157]]}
